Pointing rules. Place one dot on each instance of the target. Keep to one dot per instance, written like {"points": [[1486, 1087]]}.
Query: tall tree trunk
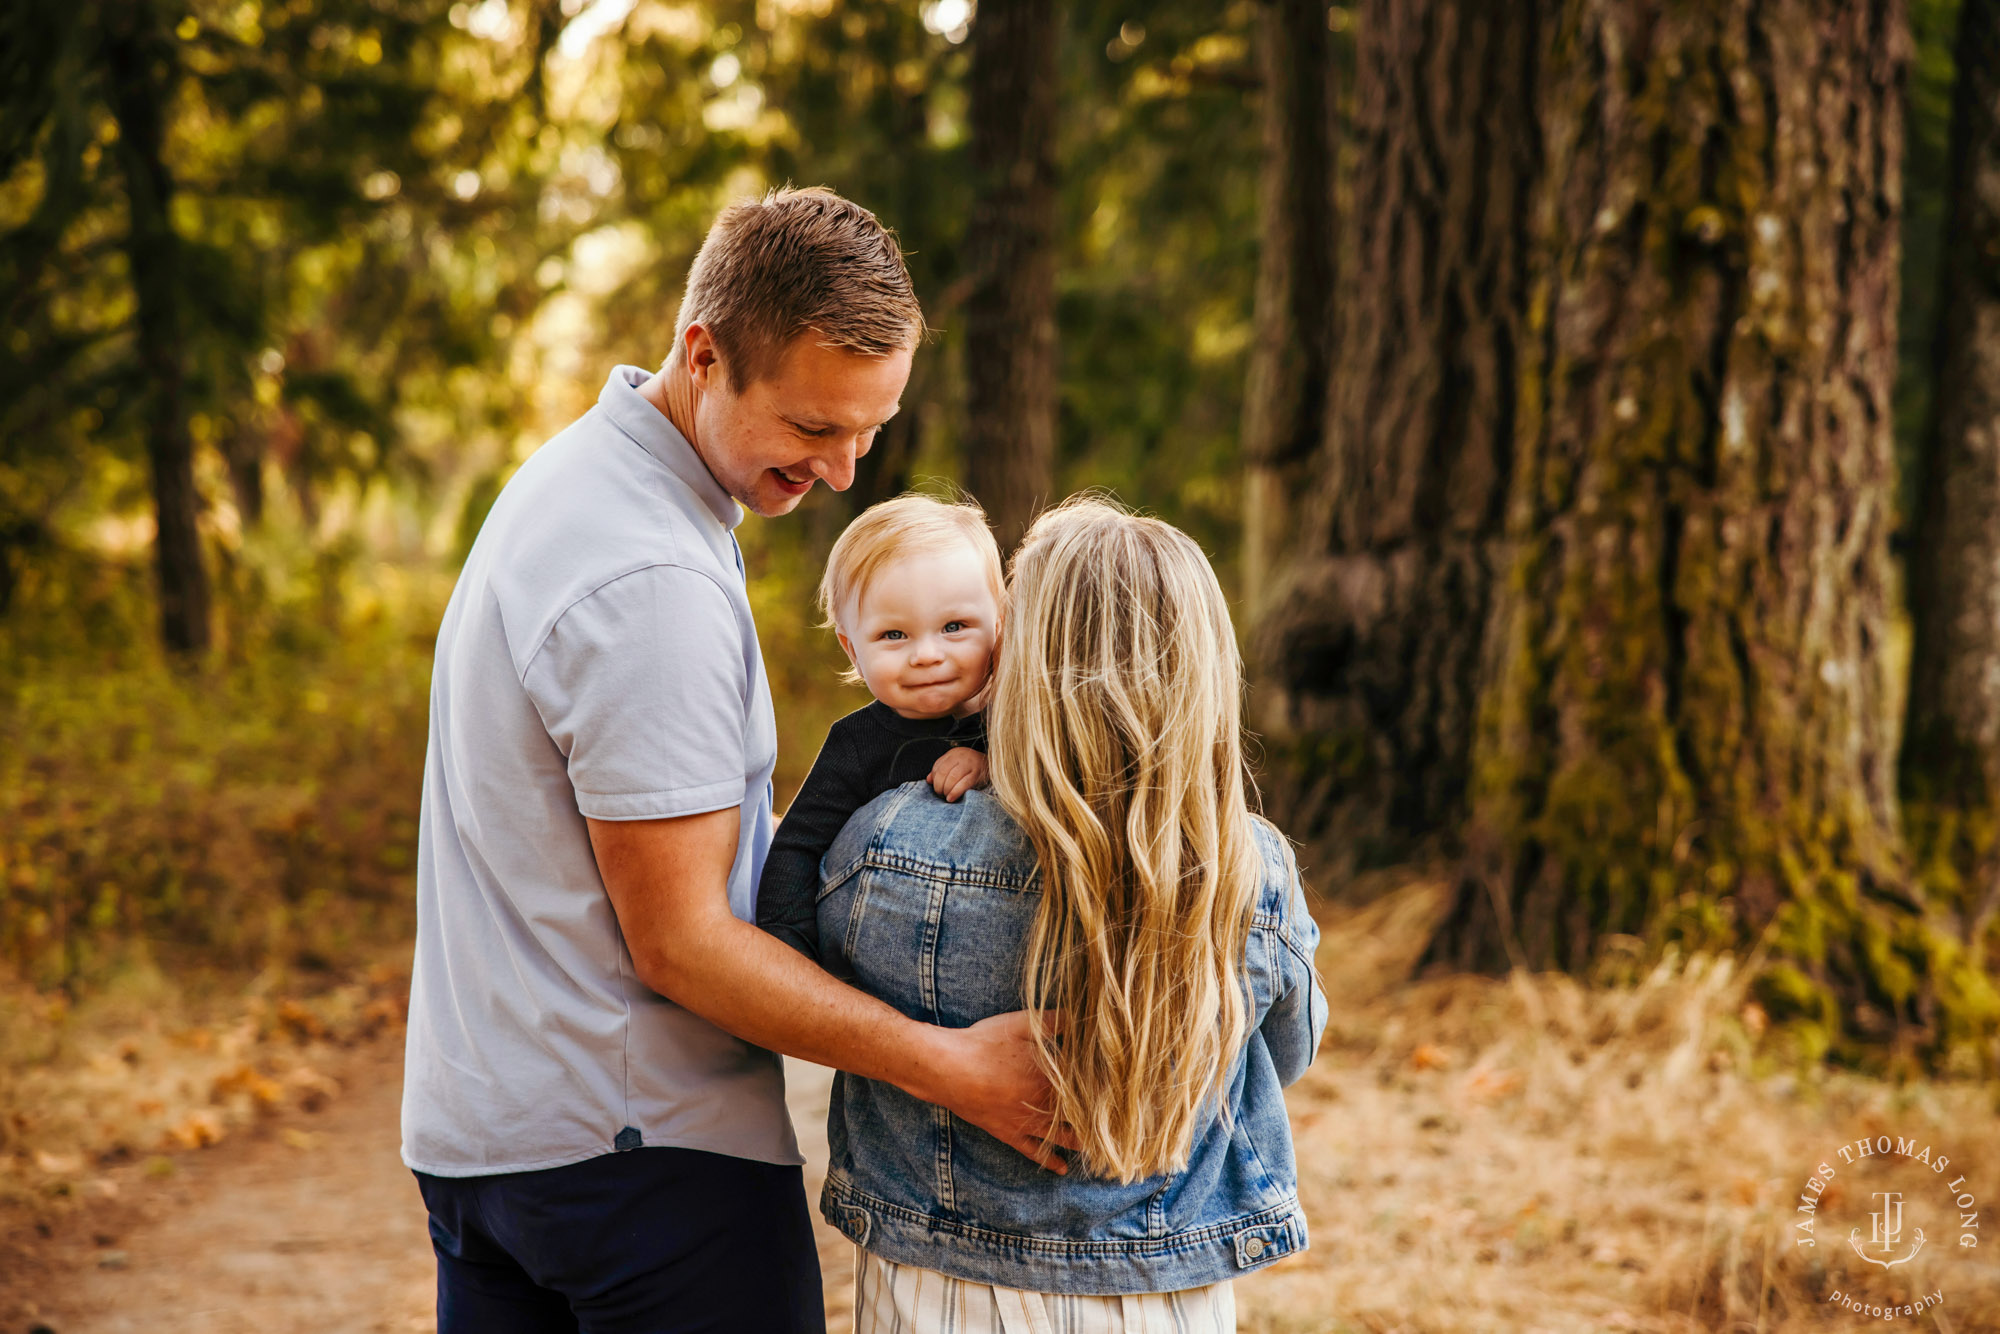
{"points": [[1010, 316], [1688, 729], [1951, 747], [243, 451], [897, 445], [15, 535], [1375, 643], [137, 59], [1284, 402]]}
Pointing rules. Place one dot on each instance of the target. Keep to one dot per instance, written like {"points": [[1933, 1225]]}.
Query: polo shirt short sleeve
{"points": [[597, 660], [641, 686]]}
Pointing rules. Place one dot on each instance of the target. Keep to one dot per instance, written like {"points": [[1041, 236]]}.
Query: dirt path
{"points": [[313, 1227]]}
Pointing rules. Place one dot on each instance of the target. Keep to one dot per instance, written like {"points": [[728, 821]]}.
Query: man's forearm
{"points": [[748, 983]]}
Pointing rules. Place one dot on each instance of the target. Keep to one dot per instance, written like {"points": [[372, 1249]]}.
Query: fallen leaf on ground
{"points": [[1428, 1056], [314, 1088], [303, 1023], [197, 1132], [1491, 1085]]}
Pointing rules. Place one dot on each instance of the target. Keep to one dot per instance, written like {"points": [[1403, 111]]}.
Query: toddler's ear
{"points": [[845, 646]]}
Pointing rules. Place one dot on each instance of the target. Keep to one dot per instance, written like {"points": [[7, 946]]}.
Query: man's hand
{"points": [[957, 772], [999, 1087]]}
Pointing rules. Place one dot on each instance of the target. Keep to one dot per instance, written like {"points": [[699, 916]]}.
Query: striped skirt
{"points": [[904, 1299]]}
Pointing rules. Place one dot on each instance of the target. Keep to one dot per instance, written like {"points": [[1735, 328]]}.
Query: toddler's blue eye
{"points": [[892, 634], [953, 627]]}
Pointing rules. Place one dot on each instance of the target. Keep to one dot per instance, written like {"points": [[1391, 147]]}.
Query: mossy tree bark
{"points": [[1688, 728], [1372, 652], [138, 57], [1010, 312], [1284, 402], [1951, 747]]}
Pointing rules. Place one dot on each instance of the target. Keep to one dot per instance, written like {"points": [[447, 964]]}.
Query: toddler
{"points": [[913, 591]]}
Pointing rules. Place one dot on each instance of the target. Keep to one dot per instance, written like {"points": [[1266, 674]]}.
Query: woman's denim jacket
{"points": [[928, 906]]}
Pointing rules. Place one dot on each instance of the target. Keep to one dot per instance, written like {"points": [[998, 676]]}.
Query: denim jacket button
{"points": [[1254, 1247]]}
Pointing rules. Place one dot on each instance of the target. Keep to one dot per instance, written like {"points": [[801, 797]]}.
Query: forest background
{"points": [[1590, 406]]}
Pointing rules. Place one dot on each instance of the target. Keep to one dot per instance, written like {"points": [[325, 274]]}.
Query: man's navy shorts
{"points": [[654, 1240]]}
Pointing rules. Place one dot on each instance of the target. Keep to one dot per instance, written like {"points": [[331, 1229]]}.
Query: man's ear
{"points": [[704, 358]]}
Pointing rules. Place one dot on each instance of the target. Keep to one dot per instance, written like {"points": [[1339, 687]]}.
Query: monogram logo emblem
{"points": [[1887, 1231]]}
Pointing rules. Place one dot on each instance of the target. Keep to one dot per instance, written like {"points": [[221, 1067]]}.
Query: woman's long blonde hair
{"points": [[1114, 735]]}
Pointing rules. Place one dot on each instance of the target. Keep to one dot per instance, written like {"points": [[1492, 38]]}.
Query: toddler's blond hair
{"points": [[895, 528]]}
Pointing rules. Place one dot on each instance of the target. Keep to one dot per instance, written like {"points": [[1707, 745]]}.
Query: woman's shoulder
{"points": [[912, 829], [1281, 868]]}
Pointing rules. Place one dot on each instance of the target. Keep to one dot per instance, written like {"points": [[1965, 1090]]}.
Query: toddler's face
{"points": [[922, 632]]}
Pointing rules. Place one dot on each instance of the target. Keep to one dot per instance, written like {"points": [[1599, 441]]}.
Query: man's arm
{"points": [[668, 881]]}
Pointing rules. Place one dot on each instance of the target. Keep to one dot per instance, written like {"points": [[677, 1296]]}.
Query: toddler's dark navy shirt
{"points": [[869, 752]]}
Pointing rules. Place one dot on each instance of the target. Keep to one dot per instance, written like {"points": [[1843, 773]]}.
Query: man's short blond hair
{"points": [[798, 260], [909, 525]]}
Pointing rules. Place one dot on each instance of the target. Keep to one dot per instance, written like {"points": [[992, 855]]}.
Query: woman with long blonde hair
{"points": [[1116, 880]]}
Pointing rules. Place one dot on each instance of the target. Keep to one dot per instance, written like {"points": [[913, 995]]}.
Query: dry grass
{"points": [[143, 1070], [1534, 1154]]}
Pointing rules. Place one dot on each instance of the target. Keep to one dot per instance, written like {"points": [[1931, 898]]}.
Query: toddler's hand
{"points": [[960, 770]]}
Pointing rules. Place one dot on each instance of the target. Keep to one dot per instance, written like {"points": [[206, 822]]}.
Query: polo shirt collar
{"points": [[631, 413]]}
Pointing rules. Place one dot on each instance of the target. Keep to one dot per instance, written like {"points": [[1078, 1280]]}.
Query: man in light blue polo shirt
{"points": [[593, 1106]]}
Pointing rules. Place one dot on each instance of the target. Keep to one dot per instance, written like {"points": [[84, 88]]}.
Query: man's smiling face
{"points": [[807, 421]]}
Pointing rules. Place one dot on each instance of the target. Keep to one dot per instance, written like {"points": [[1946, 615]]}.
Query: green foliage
{"points": [[260, 812], [1158, 162], [354, 189], [402, 224], [1160, 157]]}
